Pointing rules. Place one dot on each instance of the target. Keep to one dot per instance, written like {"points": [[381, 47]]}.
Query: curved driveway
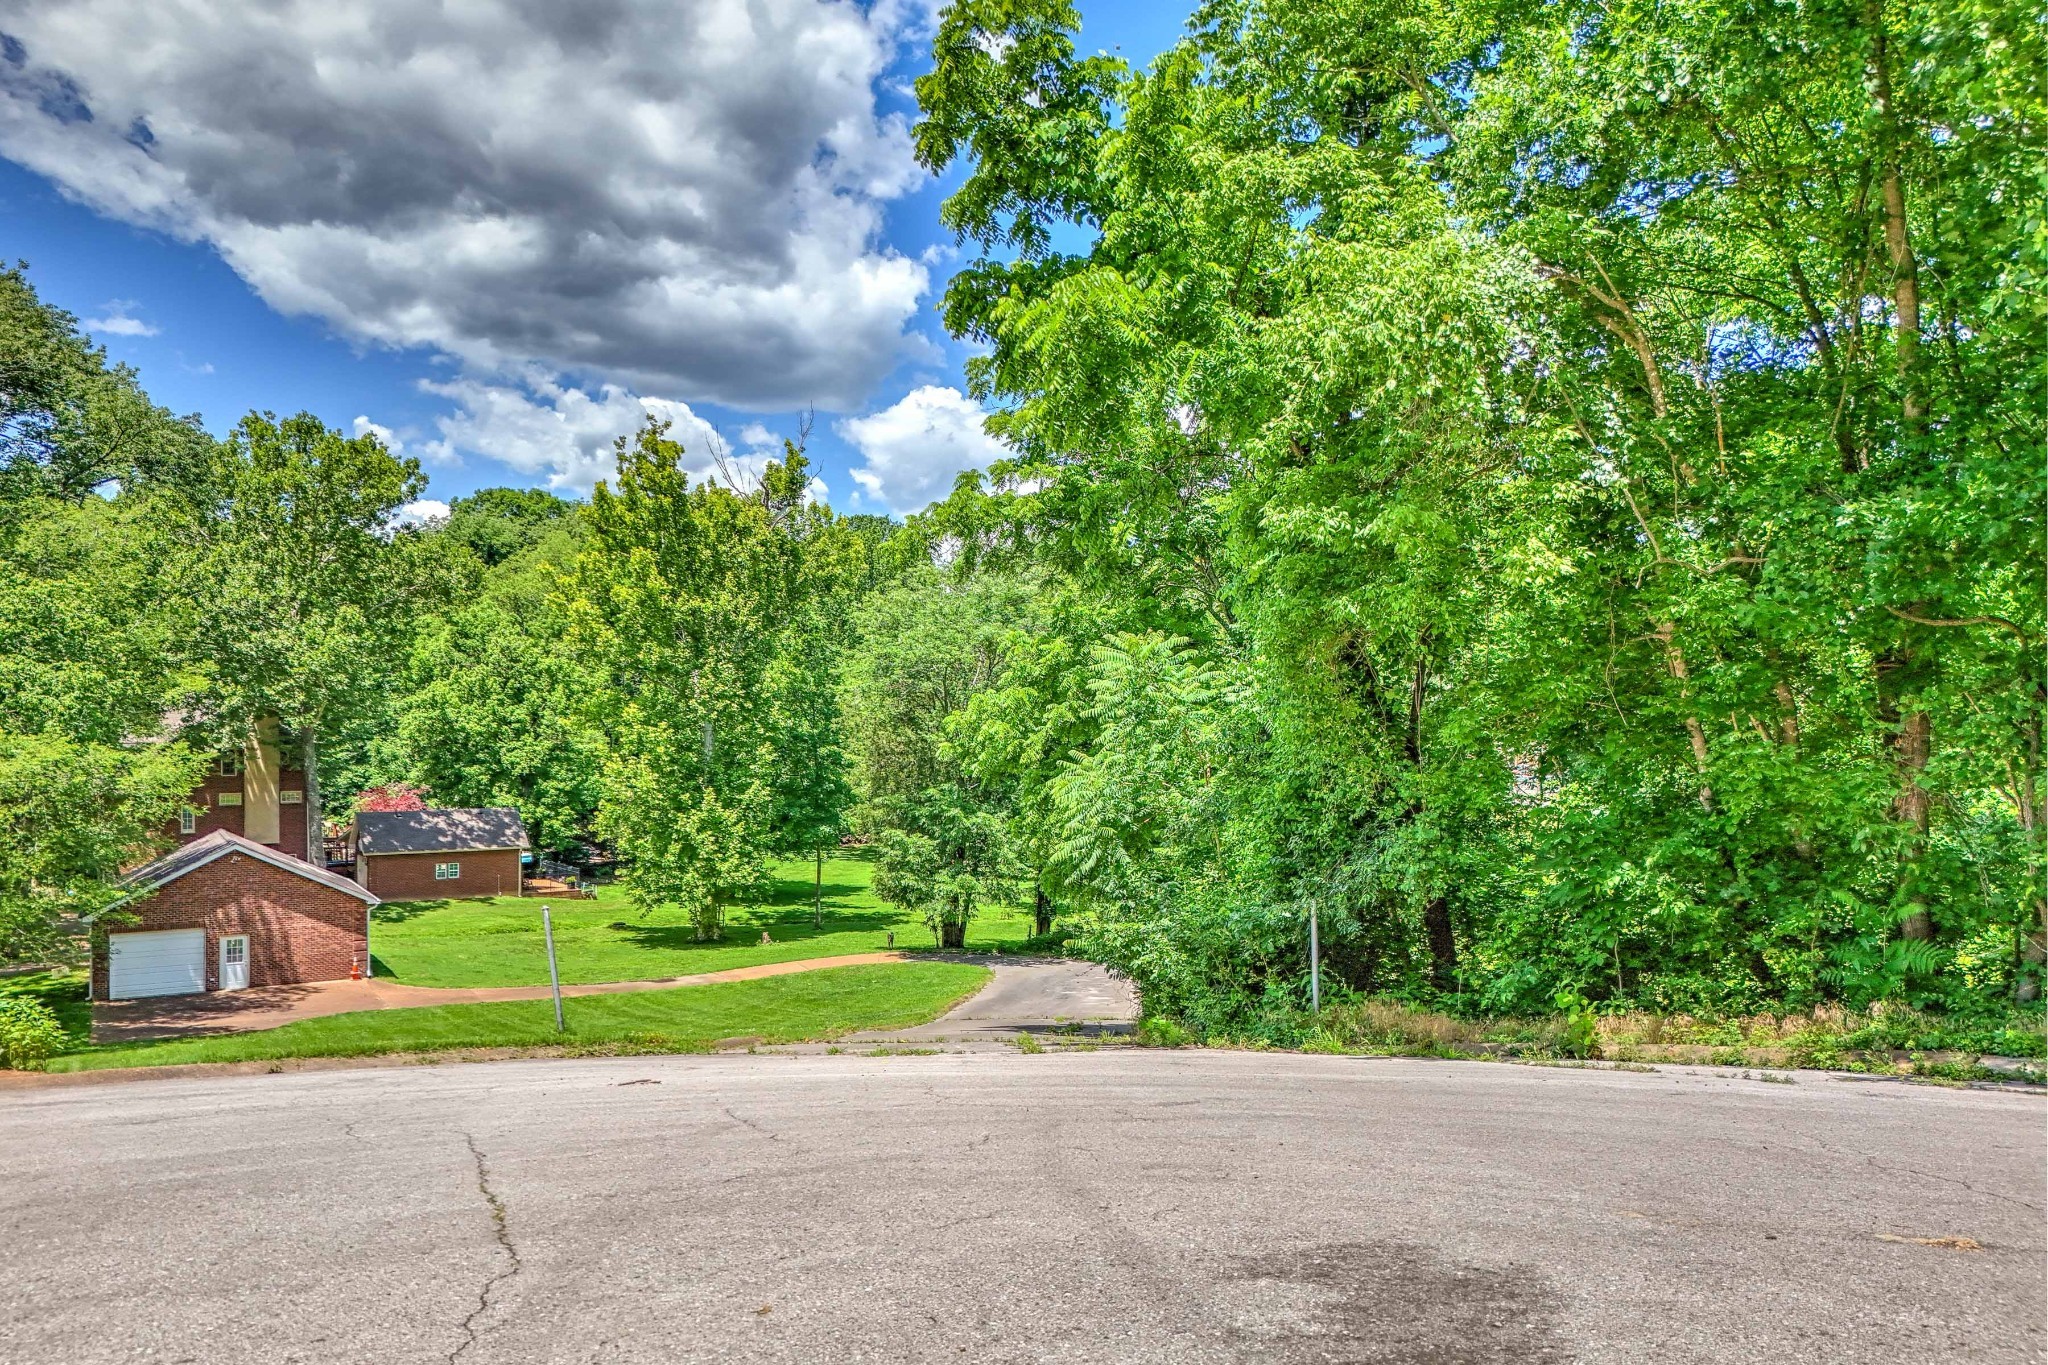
{"points": [[1113, 1205], [1029, 995]]}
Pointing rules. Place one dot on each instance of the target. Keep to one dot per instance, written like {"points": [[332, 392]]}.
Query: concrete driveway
{"points": [[1113, 1205]]}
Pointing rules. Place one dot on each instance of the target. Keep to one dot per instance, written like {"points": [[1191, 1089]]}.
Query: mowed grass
{"points": [[63, 991], [800, 1007], [496, 941]]}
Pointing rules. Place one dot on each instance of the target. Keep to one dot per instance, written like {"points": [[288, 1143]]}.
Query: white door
{"points": [[156, 962], [234, 962]]}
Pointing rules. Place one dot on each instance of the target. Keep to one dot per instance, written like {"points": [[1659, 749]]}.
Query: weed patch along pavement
{"points": [[804, 1007], [497, 941]]}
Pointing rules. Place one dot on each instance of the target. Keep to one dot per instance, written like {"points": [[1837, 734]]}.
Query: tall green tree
{"points": [[70, 423], [303, 588], [685, 595], [927, 646], [88, 631]]}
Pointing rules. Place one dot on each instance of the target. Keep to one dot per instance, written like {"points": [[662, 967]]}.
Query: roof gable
{"points": [[443, 829], [197, 854]]}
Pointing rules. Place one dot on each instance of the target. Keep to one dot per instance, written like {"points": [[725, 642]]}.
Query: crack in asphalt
{"points": [[503, 1232], [1886, 1166], [749, 1123]]}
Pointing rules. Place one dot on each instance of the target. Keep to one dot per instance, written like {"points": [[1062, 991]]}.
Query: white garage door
{"points": [[158, 962]]}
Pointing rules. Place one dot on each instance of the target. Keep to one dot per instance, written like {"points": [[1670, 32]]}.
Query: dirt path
{"points": [[184, 1016]]}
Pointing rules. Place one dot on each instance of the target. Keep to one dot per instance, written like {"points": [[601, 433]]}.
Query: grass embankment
{"points": [[1889, 1039], [497, 941], [803, 1007]]}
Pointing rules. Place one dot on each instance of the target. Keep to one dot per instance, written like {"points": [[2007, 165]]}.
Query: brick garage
{"points": [[410, 876], [441, 852], [302, 923]]}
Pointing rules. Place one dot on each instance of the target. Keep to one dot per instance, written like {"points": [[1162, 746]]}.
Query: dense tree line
{"points": [[1569, 480], [1554, 494]]}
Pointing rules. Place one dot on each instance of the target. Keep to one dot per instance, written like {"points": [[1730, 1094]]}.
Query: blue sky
{"points": [[140, 249]]}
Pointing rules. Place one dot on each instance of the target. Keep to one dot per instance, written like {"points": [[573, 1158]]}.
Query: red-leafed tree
{"points": [[392, 796]]}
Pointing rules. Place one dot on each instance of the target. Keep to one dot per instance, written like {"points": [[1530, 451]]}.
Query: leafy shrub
{"points": [[29, 1034], [1159, 1031]]}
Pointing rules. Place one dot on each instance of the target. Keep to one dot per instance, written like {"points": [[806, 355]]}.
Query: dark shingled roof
{"points": [[441, 830], [201, 851]]}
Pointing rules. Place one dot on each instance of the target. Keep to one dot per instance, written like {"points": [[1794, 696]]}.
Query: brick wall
{"points": [[213, 815], [410, 876], [291, 820], [298, 930]]}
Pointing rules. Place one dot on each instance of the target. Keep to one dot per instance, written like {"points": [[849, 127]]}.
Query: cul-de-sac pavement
{"points": [[967, 1201]]}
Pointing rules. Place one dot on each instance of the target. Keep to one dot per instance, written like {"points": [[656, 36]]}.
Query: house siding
{"points": [[410, 876], [298, 930]]}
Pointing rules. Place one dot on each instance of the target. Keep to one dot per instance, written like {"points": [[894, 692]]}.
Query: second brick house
{"points": [[256, 791], [439, 853]]}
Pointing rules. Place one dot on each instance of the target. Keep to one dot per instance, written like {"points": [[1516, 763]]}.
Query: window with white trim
{"points": [[188, 821], [447, 872], [230, 798]]}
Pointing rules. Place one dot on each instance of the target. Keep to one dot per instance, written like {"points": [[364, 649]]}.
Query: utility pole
{"points": [[547, 929], [1315, 965]]}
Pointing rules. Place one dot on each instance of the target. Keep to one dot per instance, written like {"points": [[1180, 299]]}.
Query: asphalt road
{"points": [[1116, 1205], [1031, 995]]}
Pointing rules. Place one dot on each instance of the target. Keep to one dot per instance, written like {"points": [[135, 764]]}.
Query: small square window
{"points": [[188, 821], [447, 872], [228, 765]]}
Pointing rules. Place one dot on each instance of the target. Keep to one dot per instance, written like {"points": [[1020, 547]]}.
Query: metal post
{"points": [[1315, 965], [547, 928]]}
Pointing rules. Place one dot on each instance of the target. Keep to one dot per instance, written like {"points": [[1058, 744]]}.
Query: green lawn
{"points": [[496, 941], [801, 1007], [63, 991]]}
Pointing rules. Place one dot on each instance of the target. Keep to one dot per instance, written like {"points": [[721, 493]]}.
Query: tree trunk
{"points": [[2033, 956], [818, 890], [1912, 743], [1674, 660], [953, 934], [1443, 944], [2033, 963], [1041, 915], [316, 826]]}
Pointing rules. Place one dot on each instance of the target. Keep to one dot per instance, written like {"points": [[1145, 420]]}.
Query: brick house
{"points": [[253, 792], [224, 912], [441, 852]]}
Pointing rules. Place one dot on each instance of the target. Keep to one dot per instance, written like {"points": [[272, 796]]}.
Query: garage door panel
{"points": [[156, 962]]}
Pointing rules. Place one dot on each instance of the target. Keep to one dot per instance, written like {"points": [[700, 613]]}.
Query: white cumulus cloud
{"points": [[913, 449], [365, 427], [120, 321], [678, 198], [559, 434], [422, 511]]}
